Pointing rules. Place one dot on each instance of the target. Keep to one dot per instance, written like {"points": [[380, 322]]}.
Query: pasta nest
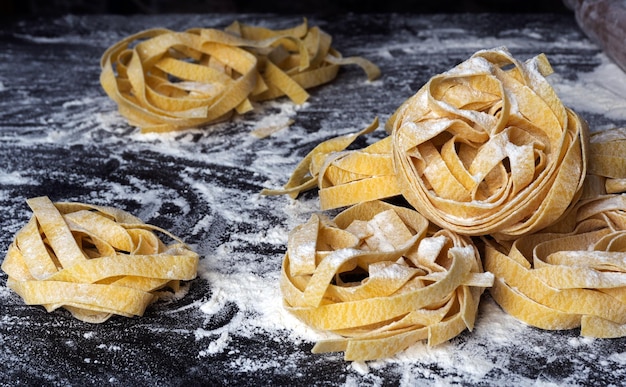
{"points": [[94, 261], [381, 279], [573, 274], [568, 280], [488, 148], [165, 80]]}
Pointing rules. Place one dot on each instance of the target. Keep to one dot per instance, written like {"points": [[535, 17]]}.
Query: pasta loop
{"points": [[329, 166], [607, 158]]}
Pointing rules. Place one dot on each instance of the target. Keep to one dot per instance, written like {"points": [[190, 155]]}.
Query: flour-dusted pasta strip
{"points": [[345, 177], [358, 176], [109, 299], [60, 238], [306, 174]]}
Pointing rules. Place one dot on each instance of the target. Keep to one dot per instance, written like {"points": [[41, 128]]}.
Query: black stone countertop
{"points": [[62, 137]]}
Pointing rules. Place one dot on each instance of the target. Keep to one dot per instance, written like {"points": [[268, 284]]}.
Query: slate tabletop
{"points": [[62, 137]]}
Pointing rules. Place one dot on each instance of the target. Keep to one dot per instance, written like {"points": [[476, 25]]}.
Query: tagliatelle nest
{"points": [[378, 276], [164, 80], [573, 274], [93, 261], [488, 148]]}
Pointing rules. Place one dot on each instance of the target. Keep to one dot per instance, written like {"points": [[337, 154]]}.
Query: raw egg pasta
{"points": [[93, 261], [484, 150], [567, 280], [607, 158], [357, 176], [345, 177], [381, 279], [488, 148], [573, 274], [164, 80], [309, 173]]}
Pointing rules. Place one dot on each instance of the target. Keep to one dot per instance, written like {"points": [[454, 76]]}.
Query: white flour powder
{"points": [[251, 280]]}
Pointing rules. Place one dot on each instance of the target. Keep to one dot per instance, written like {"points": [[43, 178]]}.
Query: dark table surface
{"points": [[62, 137]]}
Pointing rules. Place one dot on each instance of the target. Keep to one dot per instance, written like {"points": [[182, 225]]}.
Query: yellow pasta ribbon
{"points": [[607, 158], [358, 176], [319, 166], [165, 80], [92, 260], [378, 277]]}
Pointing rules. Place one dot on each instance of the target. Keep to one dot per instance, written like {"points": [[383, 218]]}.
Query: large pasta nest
{"points": [[488, 147]]}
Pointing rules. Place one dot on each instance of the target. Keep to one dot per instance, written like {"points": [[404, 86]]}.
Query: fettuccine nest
{"points": [[379, 276], [488, 148], [94, 261], [165, 80]]}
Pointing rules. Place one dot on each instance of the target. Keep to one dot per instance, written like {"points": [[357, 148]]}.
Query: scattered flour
{"points": [[14, 178], [217, 346], [253, 284], [602, 91]]}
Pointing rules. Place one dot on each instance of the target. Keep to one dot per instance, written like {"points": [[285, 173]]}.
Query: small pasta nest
{"points": [[94, 261], [166, 80]]}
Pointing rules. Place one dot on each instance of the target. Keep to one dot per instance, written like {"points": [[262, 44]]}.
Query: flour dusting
{"points": [[203, 185], [602, 91]]}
